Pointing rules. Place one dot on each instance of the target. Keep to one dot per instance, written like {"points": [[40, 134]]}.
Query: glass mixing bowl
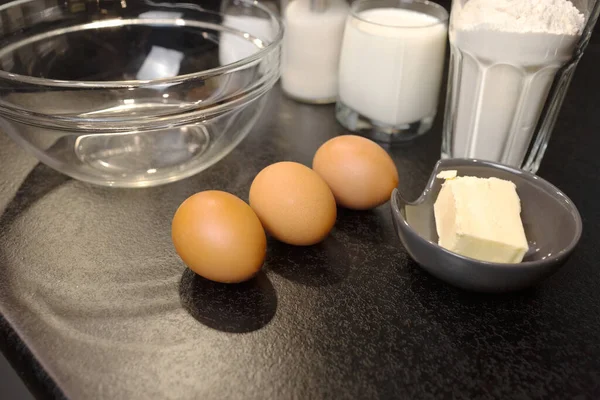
{"points": [[134, 93]]}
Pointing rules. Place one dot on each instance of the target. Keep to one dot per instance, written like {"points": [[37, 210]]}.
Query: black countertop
{"points": [[96, 304], [10, 385]]}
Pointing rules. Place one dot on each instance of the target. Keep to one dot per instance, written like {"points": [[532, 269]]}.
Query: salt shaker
{"points": [[311, 49]]}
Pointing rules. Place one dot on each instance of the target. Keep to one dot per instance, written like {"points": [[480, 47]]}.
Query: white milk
{"points": [[391, 67]]}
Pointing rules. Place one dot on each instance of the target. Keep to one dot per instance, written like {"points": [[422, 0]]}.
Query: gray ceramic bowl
{"points": [[551, 221]]}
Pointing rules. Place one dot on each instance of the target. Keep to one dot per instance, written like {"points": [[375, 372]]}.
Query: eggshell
{"points": [[219, 237], [293, 203], [360, 173]]}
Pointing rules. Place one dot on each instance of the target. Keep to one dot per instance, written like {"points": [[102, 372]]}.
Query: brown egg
{"points": [[293, 203], [359, 172], [219, 237]]}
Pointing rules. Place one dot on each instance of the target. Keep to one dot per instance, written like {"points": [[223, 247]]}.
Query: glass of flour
{"points": [[390, 68], [511, 64]]}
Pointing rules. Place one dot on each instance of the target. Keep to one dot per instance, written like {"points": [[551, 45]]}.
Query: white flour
{"points": [[521, 16], [511, 51]]}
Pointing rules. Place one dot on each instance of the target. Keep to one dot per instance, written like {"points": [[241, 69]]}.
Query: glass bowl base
{"points": [[140, 153]]}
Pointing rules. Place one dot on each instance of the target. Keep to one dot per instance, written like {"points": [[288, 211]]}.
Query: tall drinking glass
{"points": [[508, 77], [391, 67]]}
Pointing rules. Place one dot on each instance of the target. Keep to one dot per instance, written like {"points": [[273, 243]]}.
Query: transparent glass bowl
{"points": [[134, 93]]}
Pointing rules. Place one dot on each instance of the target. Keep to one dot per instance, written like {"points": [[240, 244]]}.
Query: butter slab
{"points": [[480, 218]]}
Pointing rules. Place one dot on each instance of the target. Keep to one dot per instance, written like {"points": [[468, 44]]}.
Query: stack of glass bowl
{"points": [[134, 93]]}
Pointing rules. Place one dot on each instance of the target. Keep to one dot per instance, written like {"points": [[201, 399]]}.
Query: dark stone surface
{"points": [[98, 305], [10, 383]]}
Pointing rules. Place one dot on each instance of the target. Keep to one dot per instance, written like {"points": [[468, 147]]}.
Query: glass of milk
{"points": [[391, 67], [510, 66]]}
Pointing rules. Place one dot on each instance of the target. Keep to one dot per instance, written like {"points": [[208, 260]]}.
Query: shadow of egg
{"points": [[366, 226], [236, 308], [323, 264]]}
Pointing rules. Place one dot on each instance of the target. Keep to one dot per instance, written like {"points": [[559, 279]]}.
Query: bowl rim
{"points": [[445, 163], [135, 83]]}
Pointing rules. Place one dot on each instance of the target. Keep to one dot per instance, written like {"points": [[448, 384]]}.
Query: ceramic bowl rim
{"points": [[538, 181]]}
